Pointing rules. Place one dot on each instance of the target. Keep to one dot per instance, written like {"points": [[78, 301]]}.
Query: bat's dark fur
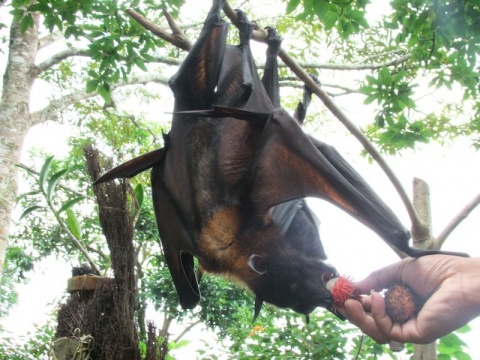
{"points": [[228, 186]]}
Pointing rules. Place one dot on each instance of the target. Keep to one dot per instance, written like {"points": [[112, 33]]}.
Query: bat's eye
{"points": [[294, 287]]}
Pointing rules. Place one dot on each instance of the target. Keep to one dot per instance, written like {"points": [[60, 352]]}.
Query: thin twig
{"points": [[187, 329], [462, 215], [59, 184], [74, 240]]}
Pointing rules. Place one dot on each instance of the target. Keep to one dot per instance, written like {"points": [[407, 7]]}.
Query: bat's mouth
{"points": [[326, 277], [322, 299], [306, 309]]}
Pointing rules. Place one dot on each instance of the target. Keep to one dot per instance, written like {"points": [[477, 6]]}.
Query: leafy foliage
{"points": [[116, 43], [442, 46], [35, 346]]}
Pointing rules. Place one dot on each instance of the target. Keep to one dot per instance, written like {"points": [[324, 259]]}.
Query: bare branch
{"points": [[50, 39], [462, 215], [56, 106], [187, 329], [168, 60], [387, 54], [422, 236], [356, 66], [291, 82], [310, 65], [59, 57], [177, 37], [99, 252]]}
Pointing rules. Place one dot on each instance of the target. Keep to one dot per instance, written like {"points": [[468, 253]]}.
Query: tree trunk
{"points": [[423, 239], [15, 118], [117, 210]]}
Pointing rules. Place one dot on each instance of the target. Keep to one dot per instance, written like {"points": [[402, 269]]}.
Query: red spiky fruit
{"points": [[401, 303], [341, 289]]}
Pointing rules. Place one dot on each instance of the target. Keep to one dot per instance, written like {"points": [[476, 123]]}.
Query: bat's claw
{"points": [[245, 27]]}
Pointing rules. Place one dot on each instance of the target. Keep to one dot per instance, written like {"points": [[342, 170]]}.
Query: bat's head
{"points": [[288, 279], [285, 264]]}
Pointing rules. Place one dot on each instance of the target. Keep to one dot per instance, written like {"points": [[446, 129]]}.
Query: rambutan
{"points": [[341, 289], [401, 303]]}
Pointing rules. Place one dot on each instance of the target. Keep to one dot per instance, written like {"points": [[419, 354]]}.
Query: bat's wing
{"points": [[195, 82], [297, 222], [287, 153], [300, 227], [133, 167], [303, 167], [194, 87], [177, 243]]}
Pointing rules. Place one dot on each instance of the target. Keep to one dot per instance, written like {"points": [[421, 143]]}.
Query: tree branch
{"points": [[74, 240], [187, 329], [462, 215], [176, 37], [49, 39], [291, 82], [56, 106], [356, 66], [311, 65], [59, 57]]}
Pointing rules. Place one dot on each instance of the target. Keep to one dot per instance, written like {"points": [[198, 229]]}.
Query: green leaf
{"points": [[460, 355], [139, 193], [73, 224], [52, 183], [464, 329], [292, 5], [68, 204], [44, 172], [385, 76], [29, 210], [27, 194], [92, 86], [140, 63], [27, 22], [370, 98]]}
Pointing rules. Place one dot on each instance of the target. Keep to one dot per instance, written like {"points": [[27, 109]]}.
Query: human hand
{"points": [[449, 285]]}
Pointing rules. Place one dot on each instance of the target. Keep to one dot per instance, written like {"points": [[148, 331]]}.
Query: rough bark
{"points": [[15, 118], [423, 239], [117, 209]]}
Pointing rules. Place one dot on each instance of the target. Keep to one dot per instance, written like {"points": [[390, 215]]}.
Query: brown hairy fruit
{"points": [[401, 303]]}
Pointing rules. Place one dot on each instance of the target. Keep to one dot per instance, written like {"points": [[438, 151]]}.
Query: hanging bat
{"points": [[228, 186]]}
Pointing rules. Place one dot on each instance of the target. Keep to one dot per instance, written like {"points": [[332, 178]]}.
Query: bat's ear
{"points": [[258, 264]]}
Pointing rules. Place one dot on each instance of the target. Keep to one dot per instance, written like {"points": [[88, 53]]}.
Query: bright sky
{"points": [[453, 173]]}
